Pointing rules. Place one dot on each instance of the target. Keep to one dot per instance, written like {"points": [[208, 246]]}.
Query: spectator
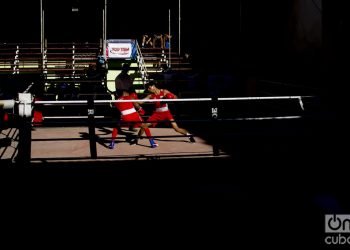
{"points": [[147, 41], [166, 40], [158, 40]]}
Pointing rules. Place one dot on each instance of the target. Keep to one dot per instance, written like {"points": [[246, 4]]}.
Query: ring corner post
{"points": [[25, 129]]}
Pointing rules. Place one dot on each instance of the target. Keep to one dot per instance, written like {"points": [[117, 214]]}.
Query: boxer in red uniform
{"points": [[162, 112], [130, 113], [134, 96]]}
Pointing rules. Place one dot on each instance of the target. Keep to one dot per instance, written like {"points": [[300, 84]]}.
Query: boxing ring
{"points": [[86, 137]]}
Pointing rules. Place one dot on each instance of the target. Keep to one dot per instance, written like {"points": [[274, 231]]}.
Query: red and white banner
{"points": [[119, 50]]}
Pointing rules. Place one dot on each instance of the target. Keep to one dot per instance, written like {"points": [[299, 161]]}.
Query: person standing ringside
{"points": [[124, 81]]}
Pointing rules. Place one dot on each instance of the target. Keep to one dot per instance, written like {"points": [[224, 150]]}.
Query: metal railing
{"points": [[142, 65]]}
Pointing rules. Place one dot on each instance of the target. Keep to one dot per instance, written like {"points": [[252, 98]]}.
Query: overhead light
{"points": [[75, 5]]}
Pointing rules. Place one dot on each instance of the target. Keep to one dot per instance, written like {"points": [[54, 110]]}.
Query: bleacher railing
{"points": [[55, 58], [141, 64]]}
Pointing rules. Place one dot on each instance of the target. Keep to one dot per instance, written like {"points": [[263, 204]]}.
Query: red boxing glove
{"points": [[5, 118], [141, 111], [37, 117], [169, 96], [133, 95]]}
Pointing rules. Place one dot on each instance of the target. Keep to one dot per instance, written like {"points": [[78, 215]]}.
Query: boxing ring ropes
{"points": [[26, 105]]}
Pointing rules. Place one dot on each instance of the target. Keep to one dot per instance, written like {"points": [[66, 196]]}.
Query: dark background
{"points": [[277, 190], [257, 37]]}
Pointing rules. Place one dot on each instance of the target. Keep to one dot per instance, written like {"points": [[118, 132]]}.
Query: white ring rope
{"points": [[267, 118], [73, 102], [74, 117]]}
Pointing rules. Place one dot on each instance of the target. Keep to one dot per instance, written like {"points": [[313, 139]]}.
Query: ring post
{"points": [[25, 129], [214, 117], [91, 121]]}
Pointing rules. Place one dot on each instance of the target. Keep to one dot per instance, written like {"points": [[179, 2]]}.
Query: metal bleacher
{"points": [[157, 58], [167, 67], [56, 58], [69, 62]]}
